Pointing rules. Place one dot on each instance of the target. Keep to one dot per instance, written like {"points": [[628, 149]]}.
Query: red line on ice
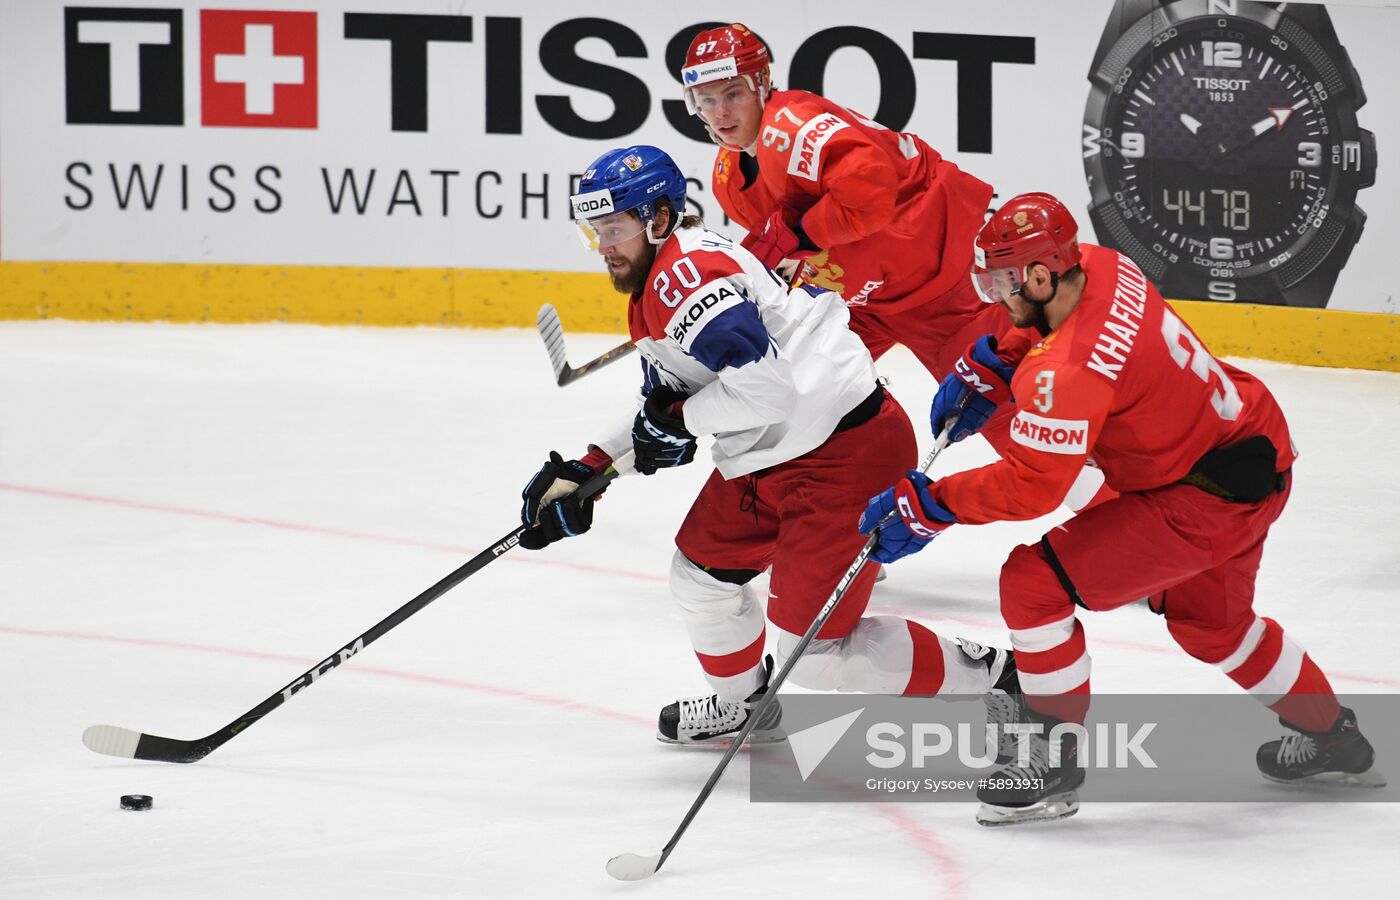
{"points": [[915, 832], [534, 559], [316, 529]]}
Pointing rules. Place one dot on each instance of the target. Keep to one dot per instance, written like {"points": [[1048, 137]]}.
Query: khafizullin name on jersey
{"points": [[1129, 301]]}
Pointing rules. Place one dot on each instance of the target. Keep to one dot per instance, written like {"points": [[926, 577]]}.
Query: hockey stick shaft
{"points": [[632, 867], [114, 741], [572, 374], [552, 333]]}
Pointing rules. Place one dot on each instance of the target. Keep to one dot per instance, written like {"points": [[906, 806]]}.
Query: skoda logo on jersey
{"points": [[593, 203], [683, 322]]}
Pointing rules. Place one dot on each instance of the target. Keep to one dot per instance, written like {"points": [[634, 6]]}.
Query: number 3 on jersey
{"points": [[1186, 350], [1044, 391]]}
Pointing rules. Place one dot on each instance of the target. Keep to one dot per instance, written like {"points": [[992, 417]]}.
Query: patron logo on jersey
{"points": [[258, 68], [806, 157], [124, 66], [1065, 436]]}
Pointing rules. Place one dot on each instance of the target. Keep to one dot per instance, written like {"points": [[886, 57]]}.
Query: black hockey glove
{"points": [[658, 433], [552, 509]]}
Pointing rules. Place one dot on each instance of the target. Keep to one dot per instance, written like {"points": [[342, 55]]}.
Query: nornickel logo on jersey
{"points": [[807, 148], [1066, 436]]}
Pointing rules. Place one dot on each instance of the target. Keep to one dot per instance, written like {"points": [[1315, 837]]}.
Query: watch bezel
{"points": [[1162, 263]]}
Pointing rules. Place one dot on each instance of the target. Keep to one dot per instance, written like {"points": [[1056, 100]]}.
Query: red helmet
{"points": [[1029, 228], [729, 51]]}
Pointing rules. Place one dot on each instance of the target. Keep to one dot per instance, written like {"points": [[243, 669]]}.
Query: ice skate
{"points": [[1035, 792], [1340, 756], [714, 721], [1004, 701]]}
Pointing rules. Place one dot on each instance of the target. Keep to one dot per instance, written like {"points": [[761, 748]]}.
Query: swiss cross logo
{"points": [[258, 68]]}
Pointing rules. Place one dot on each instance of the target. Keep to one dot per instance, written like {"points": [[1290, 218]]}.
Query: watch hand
{"points": [[1278, 116], [1192, 123]]}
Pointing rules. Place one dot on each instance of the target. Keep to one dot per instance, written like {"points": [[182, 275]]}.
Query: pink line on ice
{"points": [[320, 529], [535, 559], [926, 841]]}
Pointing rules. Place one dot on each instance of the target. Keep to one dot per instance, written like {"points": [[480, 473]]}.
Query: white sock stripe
{"points": [[726, 636], [1059, 681], [1043, 637], [735, 687], [1284, 673], [1248, 643]]}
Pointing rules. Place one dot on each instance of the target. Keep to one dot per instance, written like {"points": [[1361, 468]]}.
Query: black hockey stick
{"points": [[552, 333], [124, 742], [635, 867]]}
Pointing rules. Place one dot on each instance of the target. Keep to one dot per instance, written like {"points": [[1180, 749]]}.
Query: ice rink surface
{"points": [[191, 516]]}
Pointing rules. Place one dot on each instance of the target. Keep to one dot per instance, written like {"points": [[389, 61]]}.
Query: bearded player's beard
{"points": [[632, 279]]}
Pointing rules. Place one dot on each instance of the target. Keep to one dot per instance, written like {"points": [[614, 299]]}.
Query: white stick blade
{"points": [[111, 740], [631, 867], [552, 333]]}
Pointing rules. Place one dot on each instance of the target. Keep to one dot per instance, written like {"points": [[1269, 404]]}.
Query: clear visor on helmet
{"points": [[708, 99], [996, 285], [608, 231]]}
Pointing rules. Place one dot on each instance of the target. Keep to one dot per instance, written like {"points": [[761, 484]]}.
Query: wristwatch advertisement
{"points": [[1222, 149]]}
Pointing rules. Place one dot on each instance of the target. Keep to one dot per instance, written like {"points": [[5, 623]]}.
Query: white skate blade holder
{"points": [[722, 742], [1060, 806], [1371, 778]]}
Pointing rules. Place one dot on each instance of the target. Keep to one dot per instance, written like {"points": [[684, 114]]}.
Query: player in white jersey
{"points": [[803, 434]]}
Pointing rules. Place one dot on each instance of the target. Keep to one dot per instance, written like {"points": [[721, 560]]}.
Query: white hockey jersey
{"points": [[769, 372]]}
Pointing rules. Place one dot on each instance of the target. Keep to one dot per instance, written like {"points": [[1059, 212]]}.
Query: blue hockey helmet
{"points": [[629, 178]]}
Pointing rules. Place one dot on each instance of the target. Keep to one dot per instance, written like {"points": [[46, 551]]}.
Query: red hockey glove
{"points": [[777, 241]]}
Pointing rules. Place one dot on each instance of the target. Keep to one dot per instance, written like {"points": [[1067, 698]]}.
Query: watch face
{"points": [[1222, 156]]}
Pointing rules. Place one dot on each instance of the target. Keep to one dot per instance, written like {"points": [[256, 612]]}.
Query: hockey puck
{"points": [[136, 801]]}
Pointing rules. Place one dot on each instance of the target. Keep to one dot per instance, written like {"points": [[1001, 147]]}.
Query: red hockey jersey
{"points": [[1124, 384], [895, 220]]}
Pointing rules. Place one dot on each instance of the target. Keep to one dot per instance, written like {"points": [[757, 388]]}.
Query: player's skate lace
{"points": [[707, 713], [1295, 749], [1037, 765]]}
